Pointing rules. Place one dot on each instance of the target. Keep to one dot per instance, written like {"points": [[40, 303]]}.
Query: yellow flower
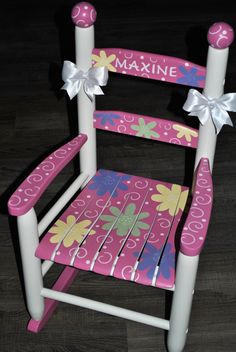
{"points": [[170, 199], [185, 132], [70, 231], [104, 60]]}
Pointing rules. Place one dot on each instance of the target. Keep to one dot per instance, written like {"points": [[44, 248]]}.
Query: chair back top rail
{"points": [[146, 127], [147, 65]]}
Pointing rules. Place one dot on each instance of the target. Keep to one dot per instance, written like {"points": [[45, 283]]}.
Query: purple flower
{"points": [[106, 118], [151, 257], [106, 181], [190, 77]]}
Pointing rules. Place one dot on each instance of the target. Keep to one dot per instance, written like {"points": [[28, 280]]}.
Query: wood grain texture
{"points": [[35, 117]]}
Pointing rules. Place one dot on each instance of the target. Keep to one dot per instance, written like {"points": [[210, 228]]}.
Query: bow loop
{"points": [[199, 105], [91, 80]]}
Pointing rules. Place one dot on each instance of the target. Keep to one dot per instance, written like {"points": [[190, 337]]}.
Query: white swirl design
{"points": [[153, 238], [72, 251], [131, 243], [78, 203], [93, 15], [141, 184], [82, 253], [164, 223], [188, 238], [167, 126], [91, 214], [126, 272], [128, 55], [196, 212], [121, 128], [77, 13], [102, 258], [100, 203], [216, 31], [153, 60], [175, 141], [132, 196], [203, 183], [195, 226], [48, 165], [146, 75], [74, 142], [203, 199], [32, 192], [14, 200], [60, 153], [34, 178], [129, 119]]}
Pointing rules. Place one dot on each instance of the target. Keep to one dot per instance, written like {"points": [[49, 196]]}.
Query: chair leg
{"points": [[32, 268], [182, 302]]}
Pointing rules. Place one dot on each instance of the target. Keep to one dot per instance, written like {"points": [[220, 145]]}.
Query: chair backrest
{"points": [[149, 66]]}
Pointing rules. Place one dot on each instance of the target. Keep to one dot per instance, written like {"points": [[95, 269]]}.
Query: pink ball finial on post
{"points": [[220, 35], [83, 14]]}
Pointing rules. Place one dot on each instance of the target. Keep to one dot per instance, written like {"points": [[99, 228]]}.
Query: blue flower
{"points": [[167, 262], [190, 76], [106, 118], [150, 259], [106, 181]]}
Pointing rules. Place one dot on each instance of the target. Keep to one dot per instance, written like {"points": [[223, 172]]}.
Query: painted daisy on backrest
{"points": [[104, 60], [106, 118], [145, 129], [190, 76], [108, 181]]}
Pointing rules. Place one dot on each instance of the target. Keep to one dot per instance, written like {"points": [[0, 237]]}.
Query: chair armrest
{"points": [[32, 188], [195, 229]]}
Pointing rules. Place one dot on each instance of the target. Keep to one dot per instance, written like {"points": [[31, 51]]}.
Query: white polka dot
{"points": [[97, 226], [165, 133], [50, 157], [197, 192], [162, 234], [124, 72], [87, 262], [38, 168], [195, 204], [84, 14], [58, 253], [137, 239], [141, 57], [185, 228], [69, 148], [146, 203], [20, 190], [224, 32], [208, 189], [186, 64], [159, 214], [46, 174], [203, 220], [26, 199], [86, 7], [105, 247], [201, 238], [76, 212], [106, 127], [150, 189], [121, 121], [200, 174], [128, 181], [118, 202], [163, 79], [88, 196], [122, 255]]}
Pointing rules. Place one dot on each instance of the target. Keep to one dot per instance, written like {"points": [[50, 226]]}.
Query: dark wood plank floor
{"points": [[35, 116]]}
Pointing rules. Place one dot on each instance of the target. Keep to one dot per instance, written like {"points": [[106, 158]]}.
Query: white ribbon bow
{"points": [[203, 107], [91, 80]]}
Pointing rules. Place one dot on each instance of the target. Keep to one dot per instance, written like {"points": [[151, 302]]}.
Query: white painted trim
{"points": [[29, 241], [182, 301], [214, 88], [84, 45], [106, 308], [62, 201], [46, 265]]}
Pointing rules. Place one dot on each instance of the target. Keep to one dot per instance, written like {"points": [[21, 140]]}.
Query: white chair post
{"points": [[83, 16], [220, 36], [182, 301], [32, 269]]}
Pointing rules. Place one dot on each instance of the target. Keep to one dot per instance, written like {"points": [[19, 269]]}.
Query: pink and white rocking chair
{"points": [[123, 225]]}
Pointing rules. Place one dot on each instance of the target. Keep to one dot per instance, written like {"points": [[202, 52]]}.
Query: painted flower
{"points": [[108, 181], [151, 257], [104, 60], [170, 199], [106, 118], [76, 231], [167, 262], [127, 220], [185, 132], [190, 76], [145, 130]]}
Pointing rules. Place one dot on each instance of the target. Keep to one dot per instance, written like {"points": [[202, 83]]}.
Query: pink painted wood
{"points": [[62, 284], [28, 193], [120, 225], [196, 225], [146, 127], [147, 65]]}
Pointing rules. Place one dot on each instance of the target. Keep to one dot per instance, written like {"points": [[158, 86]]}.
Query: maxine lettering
{"points": [[149, 68]]}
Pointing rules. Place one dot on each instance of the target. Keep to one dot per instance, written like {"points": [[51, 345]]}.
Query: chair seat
{"points": [[120, 225]]}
